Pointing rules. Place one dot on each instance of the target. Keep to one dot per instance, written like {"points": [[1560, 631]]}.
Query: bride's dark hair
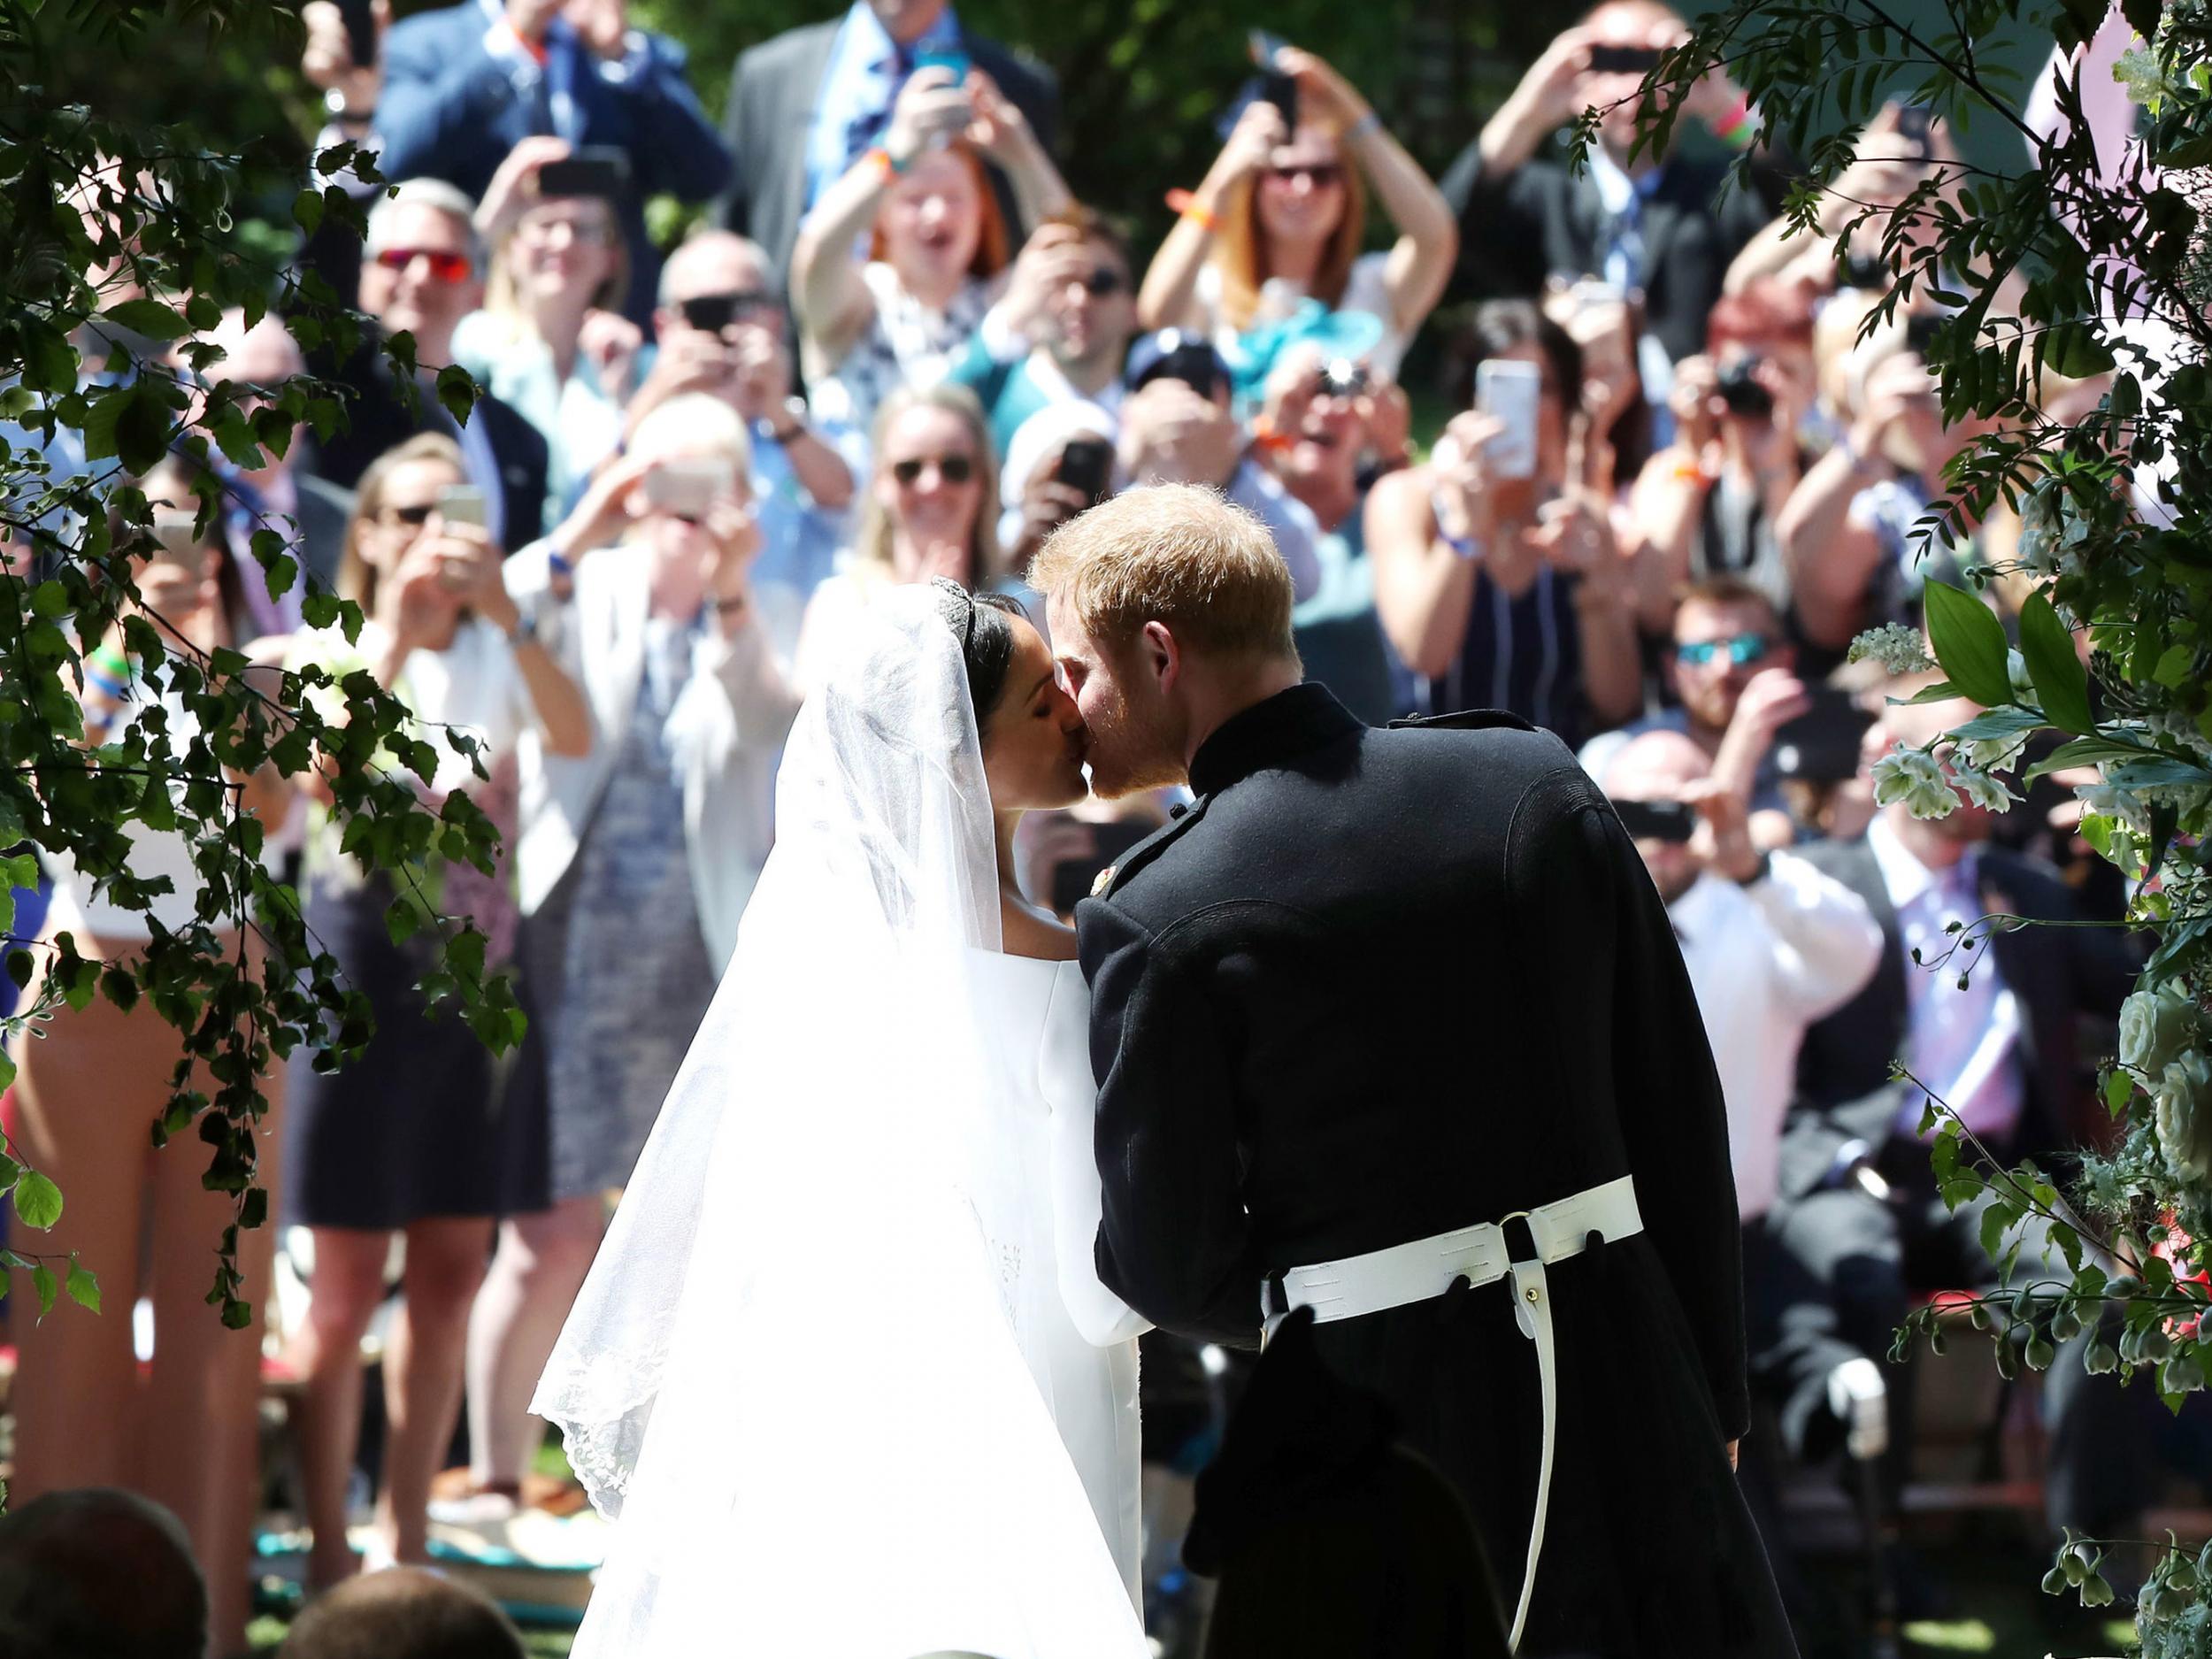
{"points": [[982, 624]]}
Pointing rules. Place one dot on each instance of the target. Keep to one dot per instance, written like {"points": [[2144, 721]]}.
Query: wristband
{"points": [[1734, 127], [1371, 122], [736, 606], [558, 563], [887, 166], [1188, 206], [110, 660], [1466, 547]]}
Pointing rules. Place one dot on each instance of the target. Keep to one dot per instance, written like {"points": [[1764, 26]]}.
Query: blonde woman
{"points": [[551, 342], [921, 205], [931, 510], [1281, 218]]}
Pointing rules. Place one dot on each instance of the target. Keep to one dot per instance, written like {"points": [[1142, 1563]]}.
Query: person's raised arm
{"points": [[1168, 296], [827, 290], [1427, 529], [1420, 261], [1549, 96], [1001, 132], [472, 564]]}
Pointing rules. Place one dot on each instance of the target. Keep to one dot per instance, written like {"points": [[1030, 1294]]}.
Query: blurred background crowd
{"points": [[1601, 448]]}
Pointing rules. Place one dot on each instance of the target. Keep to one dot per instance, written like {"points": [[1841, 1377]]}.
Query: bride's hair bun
{"points": [[982, 625]]}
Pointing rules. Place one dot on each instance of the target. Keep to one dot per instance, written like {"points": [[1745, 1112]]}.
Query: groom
{"points": [[1390, 1024]]}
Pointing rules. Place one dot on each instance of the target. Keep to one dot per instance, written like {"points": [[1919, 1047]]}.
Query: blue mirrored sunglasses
{"points": [[1743, 650]]}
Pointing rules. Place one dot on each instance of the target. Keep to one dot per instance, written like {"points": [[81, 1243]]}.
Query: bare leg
{"points": [[326, 1354], [209, 1375], [539, 1268], [422, 1371]]}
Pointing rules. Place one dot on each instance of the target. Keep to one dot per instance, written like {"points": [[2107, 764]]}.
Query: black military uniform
{"points": [[1376, 985]]}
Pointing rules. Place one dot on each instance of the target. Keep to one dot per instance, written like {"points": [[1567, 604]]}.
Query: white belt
{"points": [[1429, 1267]]}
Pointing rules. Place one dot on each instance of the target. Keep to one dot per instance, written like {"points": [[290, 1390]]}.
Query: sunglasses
{"points": [[1743, 649], [711, 313], [1323, 173], [444, 266], [1102, 283], [416, 513], [954, 469]]}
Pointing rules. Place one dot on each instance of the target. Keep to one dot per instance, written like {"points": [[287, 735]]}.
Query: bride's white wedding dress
{"points": [[837, 1373]]}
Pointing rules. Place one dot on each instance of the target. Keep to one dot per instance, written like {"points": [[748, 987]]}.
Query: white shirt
{"points": [[1961, 1043], [1766, 961]]}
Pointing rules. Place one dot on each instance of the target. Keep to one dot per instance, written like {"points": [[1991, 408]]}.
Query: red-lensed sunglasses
{"points": [[444, 266]]}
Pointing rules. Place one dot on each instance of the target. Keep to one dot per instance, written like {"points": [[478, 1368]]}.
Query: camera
{"points": [[1341, 377], [1742, 392]]}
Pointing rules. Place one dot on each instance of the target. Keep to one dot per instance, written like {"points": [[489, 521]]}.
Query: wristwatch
{"points": [[796, 412]]}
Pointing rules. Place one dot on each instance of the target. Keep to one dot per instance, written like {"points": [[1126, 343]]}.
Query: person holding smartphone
{"points": [[1656, 225], [409, 1139], [935, 244], [634, 862], [1281, 219], [1497, 575], [551, 342]]}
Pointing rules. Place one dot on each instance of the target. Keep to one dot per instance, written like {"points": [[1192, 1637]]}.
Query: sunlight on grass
{"points": [[1963, 1635]]}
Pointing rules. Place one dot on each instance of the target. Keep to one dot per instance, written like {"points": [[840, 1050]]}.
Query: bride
{"points": [[842, 1373]]}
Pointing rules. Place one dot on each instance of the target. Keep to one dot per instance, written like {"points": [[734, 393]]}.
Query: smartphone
{"points": [[689, 486], [463, 503], [1821, 745], [1508, 391], [1087, 464], [1914, 122], [958, 62], [1276, 88], [1657, 820], [1623, 60], [179, 534], [360, 31], [1071, 880], [595, 169], [1742, 391]]}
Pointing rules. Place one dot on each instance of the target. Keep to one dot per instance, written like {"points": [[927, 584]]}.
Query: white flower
{"points": [[2107, 802], [2156, 1025], [2040, 527], [1992, 754], [1982, 790], [2182, 1111], [1915, 777], [1900, 650], [2023, 682]]}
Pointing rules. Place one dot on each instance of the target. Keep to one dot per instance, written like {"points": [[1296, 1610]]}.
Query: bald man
{"points": [[98, 1573]]}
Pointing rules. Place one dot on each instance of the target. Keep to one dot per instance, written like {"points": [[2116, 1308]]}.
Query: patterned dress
{"points": [[618, 970]]}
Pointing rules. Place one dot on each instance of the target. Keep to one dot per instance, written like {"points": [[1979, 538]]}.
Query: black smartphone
{"points": [[1276, 88], [1087, 464], [360, 31], [1071, 879], [1920, 333], [1623, 60], [597, 171], [1914, 121], [1657, 820], [1821, 745]]}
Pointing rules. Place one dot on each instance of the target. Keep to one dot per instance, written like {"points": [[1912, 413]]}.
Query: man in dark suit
{"points": [[1651, 225], [804, 106], [422, 272], [465, 84], [1377, 1002], [1860, 1213]]}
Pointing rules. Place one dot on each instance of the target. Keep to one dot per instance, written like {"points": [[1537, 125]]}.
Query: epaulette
{"points": [[1472, 720], [1151, 847]]}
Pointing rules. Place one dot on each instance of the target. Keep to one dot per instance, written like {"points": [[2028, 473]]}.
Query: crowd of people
{"points": [[1677, 472]]}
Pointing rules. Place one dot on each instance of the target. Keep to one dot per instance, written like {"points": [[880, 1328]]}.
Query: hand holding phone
{"points": [[1087, 465], [600, 171], [687, 486], [1509, 391], [464, 504]]}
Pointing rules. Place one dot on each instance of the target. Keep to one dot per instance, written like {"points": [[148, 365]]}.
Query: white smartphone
{"points": [[687, 486], [463, 503], [1509, 391]]}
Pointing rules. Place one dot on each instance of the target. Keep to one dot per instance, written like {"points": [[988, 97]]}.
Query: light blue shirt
{"points": [[853, 107]]}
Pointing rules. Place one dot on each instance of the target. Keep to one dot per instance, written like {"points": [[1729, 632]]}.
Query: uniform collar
{"points": [[1268, 734]]}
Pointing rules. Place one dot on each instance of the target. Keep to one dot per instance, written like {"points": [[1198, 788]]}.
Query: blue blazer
{"points": [[450, 110]]}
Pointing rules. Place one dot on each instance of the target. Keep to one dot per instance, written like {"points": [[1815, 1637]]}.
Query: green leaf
{"points": [[146, 317], [2074, 350], [307, 211], [43, 1282], [142, 428], [1969, 642], [2060, 682], [1942, 691], [84, 1288], [456, 390], [50, 361], [37, 1200]]}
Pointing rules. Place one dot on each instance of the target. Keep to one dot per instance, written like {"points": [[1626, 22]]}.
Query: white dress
{"points": [[1082, 1348]]}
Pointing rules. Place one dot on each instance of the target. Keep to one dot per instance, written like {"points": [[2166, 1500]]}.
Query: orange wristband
{"points": [[1191, 208], [885, 168]]}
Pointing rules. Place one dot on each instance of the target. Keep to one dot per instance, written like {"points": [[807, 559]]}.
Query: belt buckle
{"points": [[1535, 1250]]}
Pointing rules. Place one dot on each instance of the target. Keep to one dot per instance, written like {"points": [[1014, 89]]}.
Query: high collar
{"points": [[1271, 732]]}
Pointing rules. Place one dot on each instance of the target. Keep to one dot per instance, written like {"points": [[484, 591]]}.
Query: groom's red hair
{"points": [[1178, 554]]}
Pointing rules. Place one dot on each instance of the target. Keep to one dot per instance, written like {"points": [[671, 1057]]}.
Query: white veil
{"points": [[796, 1374]]}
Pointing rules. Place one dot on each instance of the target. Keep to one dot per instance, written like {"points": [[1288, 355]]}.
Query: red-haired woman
{"points": [[935, 244]]}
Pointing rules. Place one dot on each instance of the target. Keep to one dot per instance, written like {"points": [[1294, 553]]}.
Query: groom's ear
{"points": [[1161, 654]]}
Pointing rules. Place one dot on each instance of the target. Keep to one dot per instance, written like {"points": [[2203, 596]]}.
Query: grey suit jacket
{"points": [[773, 93]]}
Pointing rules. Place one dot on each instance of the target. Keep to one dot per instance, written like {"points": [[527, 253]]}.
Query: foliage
{"points": [[121, 244], [2060, 268]]}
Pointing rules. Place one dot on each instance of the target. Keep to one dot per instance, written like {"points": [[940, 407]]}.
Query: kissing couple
{"points": [[1387, 1024]]}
